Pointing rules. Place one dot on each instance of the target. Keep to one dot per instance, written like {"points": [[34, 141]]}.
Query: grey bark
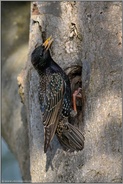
{"points": [[87, 34]]}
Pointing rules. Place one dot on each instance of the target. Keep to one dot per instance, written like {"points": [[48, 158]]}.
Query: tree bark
{"points": [[86, 34]]}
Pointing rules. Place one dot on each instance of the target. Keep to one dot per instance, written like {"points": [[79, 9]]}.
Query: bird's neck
{"points": [[51, 66], [42, 68], [56, 68]]}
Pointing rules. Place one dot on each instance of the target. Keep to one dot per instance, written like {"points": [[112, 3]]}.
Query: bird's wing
{"points": [[54, 98]]}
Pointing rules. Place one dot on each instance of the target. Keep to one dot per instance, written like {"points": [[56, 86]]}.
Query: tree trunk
{"points": [[88, 35]]}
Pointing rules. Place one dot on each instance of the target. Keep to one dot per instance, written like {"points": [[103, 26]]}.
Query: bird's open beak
{"points": [[48, 42]]}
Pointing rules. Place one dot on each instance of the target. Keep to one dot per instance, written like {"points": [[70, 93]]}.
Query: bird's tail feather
{"points": [[70, 137]]}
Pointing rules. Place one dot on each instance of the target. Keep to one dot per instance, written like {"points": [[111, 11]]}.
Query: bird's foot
{"points": [[76, 94]]}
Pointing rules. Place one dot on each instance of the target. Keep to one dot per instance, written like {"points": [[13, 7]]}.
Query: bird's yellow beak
{"points": [[48, 42]]}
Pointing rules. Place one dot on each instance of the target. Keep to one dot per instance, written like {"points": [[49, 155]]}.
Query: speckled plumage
{"points": [[55, 101]]}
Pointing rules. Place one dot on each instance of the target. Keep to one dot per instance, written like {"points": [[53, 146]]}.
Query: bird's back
{"points": [[66, 106], [54, 98]]}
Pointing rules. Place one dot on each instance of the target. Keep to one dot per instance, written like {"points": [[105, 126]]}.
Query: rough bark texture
{"points": [[87, 34]]}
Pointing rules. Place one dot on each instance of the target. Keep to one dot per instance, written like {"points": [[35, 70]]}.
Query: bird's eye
{"points": [[42, 51]]}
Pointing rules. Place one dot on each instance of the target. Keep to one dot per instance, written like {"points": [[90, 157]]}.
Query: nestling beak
{"points": [[48, 42]]}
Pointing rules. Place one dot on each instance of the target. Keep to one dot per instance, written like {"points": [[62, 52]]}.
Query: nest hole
{"points": [[75, 75]]}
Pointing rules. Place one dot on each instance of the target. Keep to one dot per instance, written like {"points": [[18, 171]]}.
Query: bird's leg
{"points": [[76, 94]]}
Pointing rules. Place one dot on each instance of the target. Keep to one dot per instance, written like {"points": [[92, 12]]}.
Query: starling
{"points": [[55, 100]]}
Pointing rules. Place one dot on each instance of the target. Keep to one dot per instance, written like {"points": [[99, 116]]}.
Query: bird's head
{"points": [[40, 57]]}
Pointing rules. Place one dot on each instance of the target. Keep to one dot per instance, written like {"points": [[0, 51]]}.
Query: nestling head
{"points": [[40, 57]]}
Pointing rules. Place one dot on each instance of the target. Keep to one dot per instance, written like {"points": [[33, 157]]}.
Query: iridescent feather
{"points": [[55, 101]]}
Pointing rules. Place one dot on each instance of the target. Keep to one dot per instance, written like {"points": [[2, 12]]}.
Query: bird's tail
{"points": [[70, 137]]}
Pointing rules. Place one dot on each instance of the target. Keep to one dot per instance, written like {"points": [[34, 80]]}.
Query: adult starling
{"points": [[55, 100]]}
